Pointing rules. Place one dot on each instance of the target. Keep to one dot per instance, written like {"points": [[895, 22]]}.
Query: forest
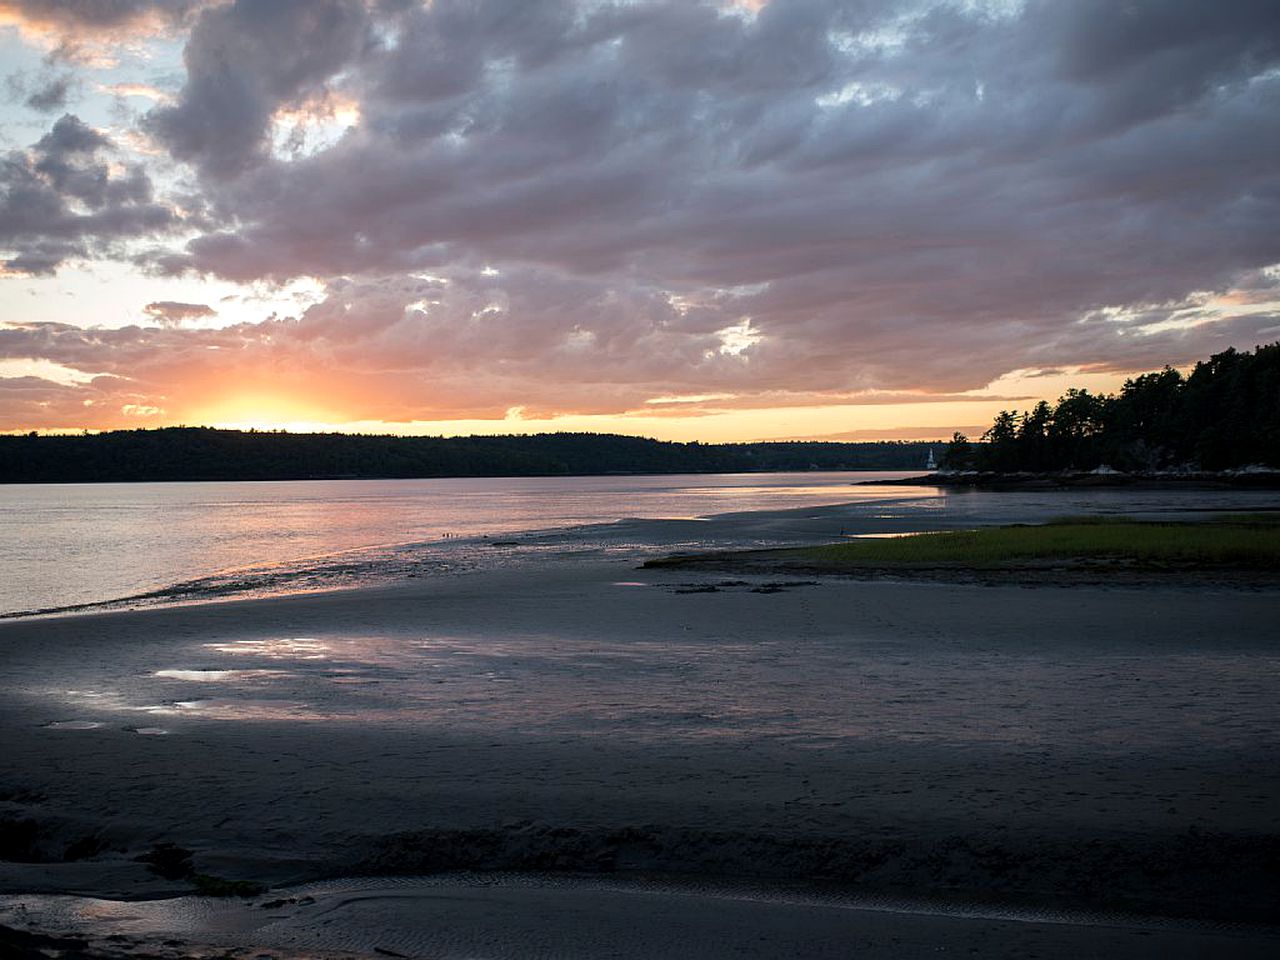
{"points": [[1224, 414], [204, 453]]}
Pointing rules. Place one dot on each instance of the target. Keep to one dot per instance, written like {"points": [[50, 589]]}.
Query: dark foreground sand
{"points": [[1020, 752]]}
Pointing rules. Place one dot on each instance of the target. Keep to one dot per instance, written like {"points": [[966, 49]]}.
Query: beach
{"points": [[1107, 754]]}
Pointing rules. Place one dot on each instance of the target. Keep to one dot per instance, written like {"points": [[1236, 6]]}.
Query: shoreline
{"points": [[1091, 479], [375, 548], [460, 915], [386, 562], [1084, 747], [1100, 575]]}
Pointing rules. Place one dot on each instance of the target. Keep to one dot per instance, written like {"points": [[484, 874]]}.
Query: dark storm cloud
{"points": [[61, 199]]}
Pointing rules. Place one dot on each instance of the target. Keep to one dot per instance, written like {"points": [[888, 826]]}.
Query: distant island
{"points": [[203, 453]]}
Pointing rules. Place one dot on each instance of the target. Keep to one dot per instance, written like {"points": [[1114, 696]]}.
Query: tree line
{"points": [[204, 453], [1224, 414]]}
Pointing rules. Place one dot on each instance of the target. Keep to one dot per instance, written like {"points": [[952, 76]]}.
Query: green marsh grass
{"points": [[1243, 541]]}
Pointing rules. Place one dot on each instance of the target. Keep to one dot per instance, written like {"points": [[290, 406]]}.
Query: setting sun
{"points": [[263, 411]]}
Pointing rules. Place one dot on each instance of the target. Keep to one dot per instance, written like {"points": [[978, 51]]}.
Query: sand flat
{"points": [[1066, 747]]}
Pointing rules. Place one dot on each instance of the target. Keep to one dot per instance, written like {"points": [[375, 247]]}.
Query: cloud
{"points": [[45, 93], [146, 91], [172, 313], [246, 60], [421, 349], [581, 206], [61, 200], [83, 30], [50, 96]]}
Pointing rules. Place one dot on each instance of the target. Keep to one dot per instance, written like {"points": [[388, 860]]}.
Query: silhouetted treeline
{"points": [[1224, 414], [202, 453]]}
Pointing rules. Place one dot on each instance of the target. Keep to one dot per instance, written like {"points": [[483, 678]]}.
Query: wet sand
{"points": [[529, 915], [1084, 748]]}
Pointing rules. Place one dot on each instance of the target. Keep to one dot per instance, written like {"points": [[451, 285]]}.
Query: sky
{"points": [[718, 220]]}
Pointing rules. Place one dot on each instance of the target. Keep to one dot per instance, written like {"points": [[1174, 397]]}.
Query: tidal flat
{"points": [[1077, 752], [551, 748]]}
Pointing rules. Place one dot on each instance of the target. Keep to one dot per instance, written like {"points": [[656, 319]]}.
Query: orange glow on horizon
{"points": [[280, 409], [262, 410]]}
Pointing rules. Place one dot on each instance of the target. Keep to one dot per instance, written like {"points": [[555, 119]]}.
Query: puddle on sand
{"points": [[883, 536], [72, 725], [292, 648], [217, 676], [235, 708]]}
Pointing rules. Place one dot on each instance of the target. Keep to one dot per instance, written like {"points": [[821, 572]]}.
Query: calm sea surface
{"points": [[64, 544]]}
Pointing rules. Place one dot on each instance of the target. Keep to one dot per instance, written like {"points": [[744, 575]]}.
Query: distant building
{"points": [[931, 463]]}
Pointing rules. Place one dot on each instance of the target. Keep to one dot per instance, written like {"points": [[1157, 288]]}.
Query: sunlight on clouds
{"points": [[735, 340], [691, 398], [45, 370], [141, 410], [744, 8], [86, 295], [144, 91], [1198, 308], [863, 94], [96, 53], [316, 125], [567, 217], [1051, 383]]}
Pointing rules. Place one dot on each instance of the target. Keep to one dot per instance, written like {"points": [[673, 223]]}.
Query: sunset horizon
{"points": [[719, 221]]}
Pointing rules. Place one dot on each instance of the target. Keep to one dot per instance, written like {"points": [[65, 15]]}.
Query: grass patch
{"points": [[1240, 542], [1212, 544]]}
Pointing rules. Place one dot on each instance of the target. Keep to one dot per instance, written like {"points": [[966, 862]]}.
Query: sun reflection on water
{"points": [[287, 648]]}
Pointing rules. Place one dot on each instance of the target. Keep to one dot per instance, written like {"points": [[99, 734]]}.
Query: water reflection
{"points": [[214, 676], [815, 693], [63, 544], [92, 544], [289, 648]]}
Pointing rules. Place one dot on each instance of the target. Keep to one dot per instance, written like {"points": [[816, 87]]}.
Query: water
{"points": [[70, 544], [74, 544]]}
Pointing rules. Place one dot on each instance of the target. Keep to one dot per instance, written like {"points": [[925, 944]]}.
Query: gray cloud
{"points": [[881, 195], [243, 62], [402, 349], [45, 92], [60, 200], [97, 14], [51, 95], [174, 313]]}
